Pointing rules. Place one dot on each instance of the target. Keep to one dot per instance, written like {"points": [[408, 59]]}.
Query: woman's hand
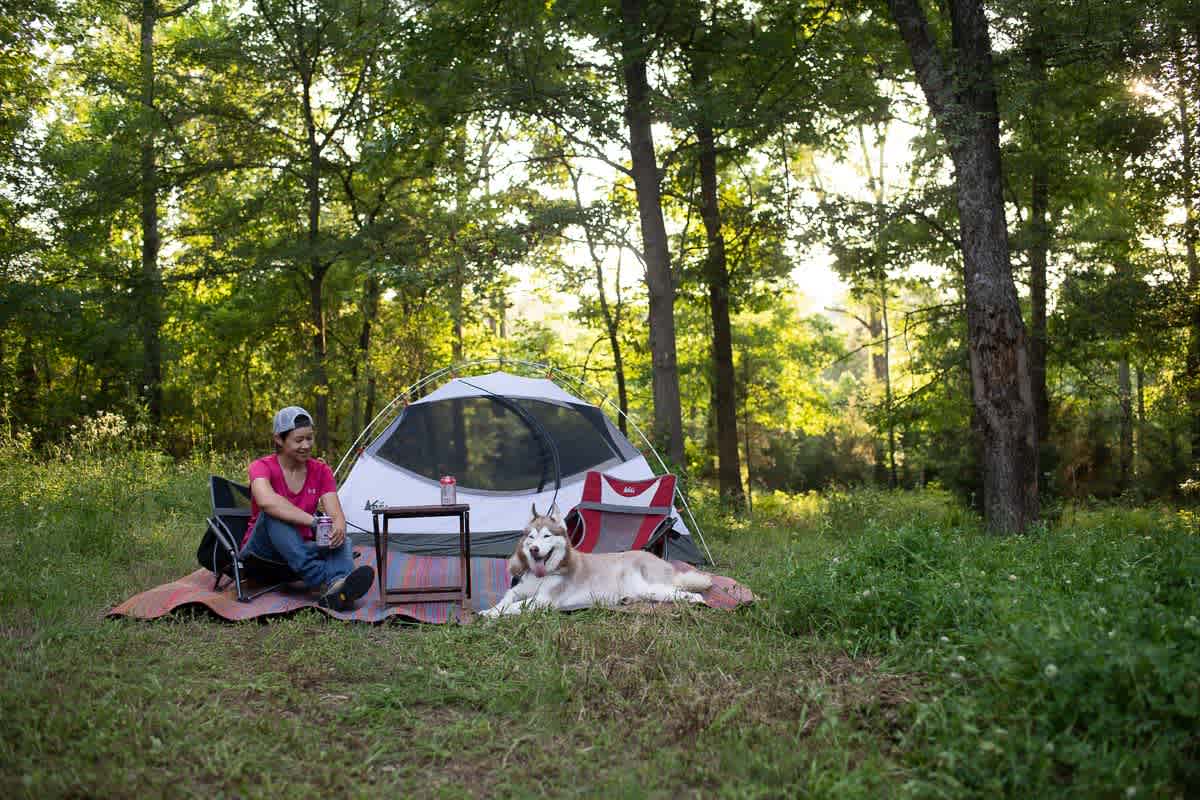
{"points": [[333, 507]]}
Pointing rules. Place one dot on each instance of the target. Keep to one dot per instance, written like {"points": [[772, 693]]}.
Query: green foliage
{"points": [[849, 513], [1054, 656], [103, 506]]}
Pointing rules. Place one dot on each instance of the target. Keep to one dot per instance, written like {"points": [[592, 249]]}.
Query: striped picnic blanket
{"points": [[489, 582]]}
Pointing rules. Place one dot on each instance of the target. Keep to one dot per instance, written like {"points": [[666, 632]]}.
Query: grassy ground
{"points": [[896, 652]]}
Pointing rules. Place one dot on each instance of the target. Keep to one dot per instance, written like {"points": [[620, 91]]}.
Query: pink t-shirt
{"points": [[318, 481]]}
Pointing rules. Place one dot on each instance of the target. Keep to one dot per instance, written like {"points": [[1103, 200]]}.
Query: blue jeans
{"points": [[280, 542]]}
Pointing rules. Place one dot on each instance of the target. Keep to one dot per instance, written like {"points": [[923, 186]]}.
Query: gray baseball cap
{"points": [[285, 420]]}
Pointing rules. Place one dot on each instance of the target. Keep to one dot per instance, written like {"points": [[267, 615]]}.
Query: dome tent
{"points": [[511, 443]]}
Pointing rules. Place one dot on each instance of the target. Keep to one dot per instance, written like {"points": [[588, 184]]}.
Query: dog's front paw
{"points": [[692, 597], [491, 613]]}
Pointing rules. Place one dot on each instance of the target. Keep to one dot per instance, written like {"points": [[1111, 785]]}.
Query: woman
{"points": [[285, 490]]}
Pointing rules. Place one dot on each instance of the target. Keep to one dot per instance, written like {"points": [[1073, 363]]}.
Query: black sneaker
{"points": [[342, 593]]}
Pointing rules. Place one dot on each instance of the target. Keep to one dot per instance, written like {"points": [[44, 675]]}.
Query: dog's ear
{"points": [[555, 514], [533, 511], [517, 564]]}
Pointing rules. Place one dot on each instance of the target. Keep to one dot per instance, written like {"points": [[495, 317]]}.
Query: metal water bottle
{"points": [[324, 531], [449, 490]]}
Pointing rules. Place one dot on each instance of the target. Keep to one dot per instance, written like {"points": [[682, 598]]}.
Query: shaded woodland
{"points": [[209, 210]]}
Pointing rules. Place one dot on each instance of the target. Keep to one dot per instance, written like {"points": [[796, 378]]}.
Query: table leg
{"points": [[460, 593], [464, 531], [381, 553]]}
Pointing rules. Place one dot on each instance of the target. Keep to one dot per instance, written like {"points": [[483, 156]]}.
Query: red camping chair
{"points": [[616, 515]]}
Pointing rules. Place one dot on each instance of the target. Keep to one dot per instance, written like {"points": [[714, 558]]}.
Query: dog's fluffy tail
{"points": [[692, 580]]}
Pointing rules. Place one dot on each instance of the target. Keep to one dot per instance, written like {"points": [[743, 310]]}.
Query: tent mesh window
{"points": [[499, 444]]}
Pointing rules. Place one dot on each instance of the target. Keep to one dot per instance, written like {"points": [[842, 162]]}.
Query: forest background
{"points": [[210, 209]]}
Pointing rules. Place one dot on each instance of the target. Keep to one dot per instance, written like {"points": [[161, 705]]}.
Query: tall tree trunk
{"points": [[610, 313], [364, 383], [458, 421], [151, 294], [716, 274], [668, 423], [1125, 392], [622, 390], [456, 307], [729, 468], [1038, 258], [879, 371], [1139, 442], [1039, 247], [710, 431], [1191, 233], [964, 105], [887, 380], [459, 276], [746, 430], [29, 382], [369, 401], [316, 275], [878, 322], [500, 313], [316, 304]]}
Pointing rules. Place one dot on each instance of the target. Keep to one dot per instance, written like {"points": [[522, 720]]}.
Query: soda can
{"points": [[324, 531], [449, 490]]}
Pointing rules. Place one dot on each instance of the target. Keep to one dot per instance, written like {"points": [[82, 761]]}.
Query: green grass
{"points": [[891, 655]]}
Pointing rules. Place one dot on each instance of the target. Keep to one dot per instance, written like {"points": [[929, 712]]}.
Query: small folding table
{"points": [[459, 592]]}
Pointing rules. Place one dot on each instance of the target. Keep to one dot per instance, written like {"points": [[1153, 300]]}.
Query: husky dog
{"points": [[553, 574]]}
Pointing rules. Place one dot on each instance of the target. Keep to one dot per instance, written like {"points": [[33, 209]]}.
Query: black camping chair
{"points": [[219, 549]]}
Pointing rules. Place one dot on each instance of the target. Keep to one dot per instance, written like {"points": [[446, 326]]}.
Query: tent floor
{"points": [[489, 581]]}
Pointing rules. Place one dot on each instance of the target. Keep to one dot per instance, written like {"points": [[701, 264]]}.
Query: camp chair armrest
{"points": [[619, 509], [222, 532]]}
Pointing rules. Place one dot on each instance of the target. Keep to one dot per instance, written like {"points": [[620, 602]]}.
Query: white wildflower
{"points": [[961, 659], [1012, 578], [1050, 671], [956, 676], [944, 639], [866, 593], [1131, 791]]}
